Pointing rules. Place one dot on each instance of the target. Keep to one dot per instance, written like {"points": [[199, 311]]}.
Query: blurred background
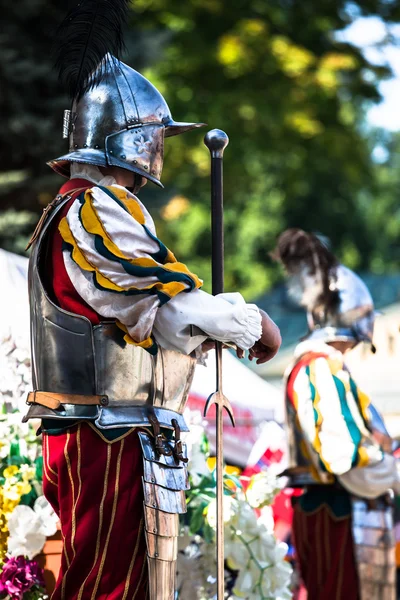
{"points": [[309, 94]]}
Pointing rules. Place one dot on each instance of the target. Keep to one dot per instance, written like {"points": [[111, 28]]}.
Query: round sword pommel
{"points": [[216, 141]]}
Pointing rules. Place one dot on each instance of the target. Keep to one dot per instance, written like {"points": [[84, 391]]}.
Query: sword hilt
{"points": [[216, 141]]}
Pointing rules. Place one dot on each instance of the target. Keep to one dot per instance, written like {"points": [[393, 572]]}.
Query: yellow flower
{"points": [[3, 528], [3, 536], [11, 494], [23, 487], [28, 473], [10, 471]]}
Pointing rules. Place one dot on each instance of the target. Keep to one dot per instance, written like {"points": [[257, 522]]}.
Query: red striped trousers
{"points": [[95, 487], [325, 552]]}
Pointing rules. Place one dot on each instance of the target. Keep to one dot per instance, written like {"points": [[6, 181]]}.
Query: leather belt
{"points": [[54, 400]]}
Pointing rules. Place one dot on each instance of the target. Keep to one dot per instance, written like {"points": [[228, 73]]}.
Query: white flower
{"points": [[267, 519], [230, 509], [246, 583], [197, 464], [15, 377], [194, 439], [29, 528], [262, 489], [45, 512], [26, 535]]}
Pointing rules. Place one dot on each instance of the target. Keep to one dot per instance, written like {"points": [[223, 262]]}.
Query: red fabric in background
{"points": [[325, 552], [96, 489], [58, 281]]}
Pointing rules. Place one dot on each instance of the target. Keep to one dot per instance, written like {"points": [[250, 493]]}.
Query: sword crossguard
{"points": [[221, 402]]}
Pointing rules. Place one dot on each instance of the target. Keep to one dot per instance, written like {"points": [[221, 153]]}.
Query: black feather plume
{"points": [[311, 267], [90, 32]]}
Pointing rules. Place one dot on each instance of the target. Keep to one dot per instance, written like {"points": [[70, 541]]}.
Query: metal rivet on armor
{"points": [[154, 504], [134, 162], [146, 167], [85, 145], [155, 530], [104, 401], [76, 145], [153, 480], [155, 554], [123, 156], [111, 152], [96, 146]]}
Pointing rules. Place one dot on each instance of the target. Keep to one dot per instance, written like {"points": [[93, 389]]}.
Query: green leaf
{"points": [[196, 523]]}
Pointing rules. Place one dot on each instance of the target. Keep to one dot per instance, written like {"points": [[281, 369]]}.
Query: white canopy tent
{"points": [[14, 305]]}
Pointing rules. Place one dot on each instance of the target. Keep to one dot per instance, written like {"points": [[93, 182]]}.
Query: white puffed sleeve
{"points": [[374, 480], [124, 272], [189, 319]]}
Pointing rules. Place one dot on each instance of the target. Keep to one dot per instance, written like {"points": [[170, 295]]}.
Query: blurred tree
{"points": [[292, 100], [271, 74], [31, 102], [382, 205]]}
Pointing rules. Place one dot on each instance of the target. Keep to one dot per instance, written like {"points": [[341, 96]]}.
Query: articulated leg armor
{"points": [[84, 372], [165, 480], [374, 548]]}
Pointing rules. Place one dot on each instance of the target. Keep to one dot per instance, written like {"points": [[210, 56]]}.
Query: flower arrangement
{"points": [[21, 578], [256, 566], [26, 518]]}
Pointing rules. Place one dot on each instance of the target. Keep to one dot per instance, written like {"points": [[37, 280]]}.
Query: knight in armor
{"points": [[117, 326], [339, 449]]}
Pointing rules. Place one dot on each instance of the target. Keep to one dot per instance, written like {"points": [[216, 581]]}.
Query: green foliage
{"points": [[291, 99], [382, 208], [15, 228]]}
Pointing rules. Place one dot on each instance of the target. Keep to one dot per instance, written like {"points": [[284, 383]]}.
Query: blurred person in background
{"points": [[117, 325], [339, 449]]}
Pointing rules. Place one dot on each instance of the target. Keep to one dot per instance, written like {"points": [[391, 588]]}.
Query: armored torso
{"points": [[72, 358]]}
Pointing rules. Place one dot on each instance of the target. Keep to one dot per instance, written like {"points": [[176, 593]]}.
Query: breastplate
{"points": [[71, 356]]}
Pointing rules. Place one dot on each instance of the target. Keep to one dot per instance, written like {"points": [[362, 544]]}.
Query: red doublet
{"points": [[64, 292], [93, 484]]}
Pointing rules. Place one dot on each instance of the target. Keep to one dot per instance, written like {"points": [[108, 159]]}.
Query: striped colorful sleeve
{"points": [[332, 414], [112, 253]]}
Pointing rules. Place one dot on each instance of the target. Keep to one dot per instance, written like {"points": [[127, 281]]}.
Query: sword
{"points": [[216, 141]]}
